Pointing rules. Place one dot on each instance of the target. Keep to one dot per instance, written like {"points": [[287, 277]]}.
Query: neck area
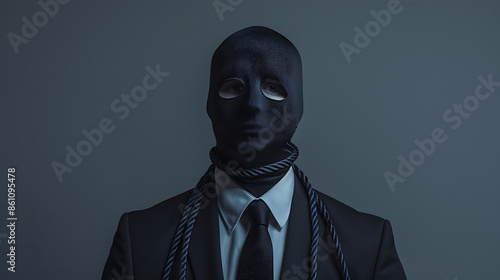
{"points": [[250, 157], [259, 179], [258, 186]]}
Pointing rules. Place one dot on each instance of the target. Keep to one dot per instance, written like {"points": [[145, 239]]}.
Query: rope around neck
{"points": [[255, 172], [192, 207]]}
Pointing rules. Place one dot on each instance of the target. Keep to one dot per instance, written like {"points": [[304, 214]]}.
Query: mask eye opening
{"points": [[273, 90], [231, 88]]}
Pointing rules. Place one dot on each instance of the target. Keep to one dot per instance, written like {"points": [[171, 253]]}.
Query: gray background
{"points": [[358, 118]]}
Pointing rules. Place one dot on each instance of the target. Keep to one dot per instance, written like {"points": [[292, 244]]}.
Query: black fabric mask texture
{"points": [[250, 127]]}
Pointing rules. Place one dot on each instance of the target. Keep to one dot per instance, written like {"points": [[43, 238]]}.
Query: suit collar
{"points": [[232, 199]]}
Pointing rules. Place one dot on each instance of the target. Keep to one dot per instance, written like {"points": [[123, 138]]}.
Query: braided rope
{"points": [[255, 172], [313, 210], [178, 236], [326, 216], [180, 231], [192, 207], [187, 236], [333, 232]]}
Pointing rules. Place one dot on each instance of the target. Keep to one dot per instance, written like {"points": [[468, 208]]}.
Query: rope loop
{"points": [[192, 207]]}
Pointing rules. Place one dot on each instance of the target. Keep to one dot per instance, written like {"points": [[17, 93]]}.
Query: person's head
{"points": [[255, 96]]}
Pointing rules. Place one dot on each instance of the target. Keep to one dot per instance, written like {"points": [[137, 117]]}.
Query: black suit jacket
{"points": [[142, 241]]}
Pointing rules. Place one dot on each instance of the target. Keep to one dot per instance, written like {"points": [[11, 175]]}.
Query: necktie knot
{"points": [[257, 213], [256, 259]]}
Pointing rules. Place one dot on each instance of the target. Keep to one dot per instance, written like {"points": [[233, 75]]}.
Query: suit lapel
{"points": [[298, 242], [298, 236], [204, 249]]}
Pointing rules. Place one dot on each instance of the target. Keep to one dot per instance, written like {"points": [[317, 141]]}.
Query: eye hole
{"points": [[231, 89], [273, 90]]}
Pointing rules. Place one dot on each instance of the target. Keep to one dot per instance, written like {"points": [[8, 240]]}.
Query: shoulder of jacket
{"points": [[345, 214], [165, 211]]}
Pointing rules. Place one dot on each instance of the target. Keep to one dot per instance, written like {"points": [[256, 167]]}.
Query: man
{"points": [[253, 215]]}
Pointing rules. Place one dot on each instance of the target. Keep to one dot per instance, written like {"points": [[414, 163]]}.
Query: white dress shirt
{"points": [[232, 201]]}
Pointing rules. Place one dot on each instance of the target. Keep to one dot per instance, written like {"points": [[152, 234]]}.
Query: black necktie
{"points": [[256, 260]]}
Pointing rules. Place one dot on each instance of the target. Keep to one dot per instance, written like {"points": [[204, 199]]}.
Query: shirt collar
{"points": [[233, 199]]}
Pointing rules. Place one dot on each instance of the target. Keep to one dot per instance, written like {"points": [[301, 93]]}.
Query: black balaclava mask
{"points": [[255, 101]]}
